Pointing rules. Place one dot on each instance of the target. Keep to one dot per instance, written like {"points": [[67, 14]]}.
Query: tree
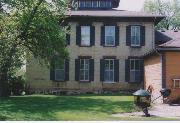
{"points": [[166, 8], [30, 27]]}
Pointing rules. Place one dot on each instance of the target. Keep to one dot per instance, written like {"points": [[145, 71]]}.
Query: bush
{"points": [[16, 84]]}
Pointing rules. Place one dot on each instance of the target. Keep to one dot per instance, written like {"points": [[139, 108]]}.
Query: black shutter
{"points": [[92, 36], [102, 35], [102, 65], [142, 36], [142, 70], [68, 36], [78, 35], [52, 71], [116, 70], [117, 36], [91, 70], [67, 70], [127, 70], [128, 36], [77, 69]]}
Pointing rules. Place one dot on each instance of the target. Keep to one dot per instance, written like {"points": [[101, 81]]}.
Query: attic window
{"points": [[176, 83]]}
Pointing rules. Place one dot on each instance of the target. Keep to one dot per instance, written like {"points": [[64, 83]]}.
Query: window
{"points": [[82, 4], [109, 70], [109, 35], [135, 35], [84, 70], [88, 4], [135, 70], [85, 35], [108, 4], [102, 4], [95, 4], [176, 83], [59, 72]]}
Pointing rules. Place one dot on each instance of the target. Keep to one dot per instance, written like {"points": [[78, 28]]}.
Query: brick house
{"points": [[162, 65], [105, 47]]}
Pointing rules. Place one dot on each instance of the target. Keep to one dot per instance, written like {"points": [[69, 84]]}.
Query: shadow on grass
{"points": [[46, 107]]}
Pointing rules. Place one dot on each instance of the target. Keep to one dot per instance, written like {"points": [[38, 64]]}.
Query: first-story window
{"points": [[85, 35], [176, 83], [109, 70], [109, 35], [135, 70], [135, 36], [59, 72], [84, 69]]}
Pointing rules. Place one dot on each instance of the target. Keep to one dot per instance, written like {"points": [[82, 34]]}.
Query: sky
{"points": [[133, 5]]}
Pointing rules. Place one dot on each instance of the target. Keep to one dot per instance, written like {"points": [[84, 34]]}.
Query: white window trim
{"points": [[109, 70], [60, 69], [174, 83], [86, 35], [135, 45], [110, 35], [83, 60]]}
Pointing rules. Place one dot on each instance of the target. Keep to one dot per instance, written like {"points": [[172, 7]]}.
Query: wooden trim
{"points": [[109, 57], [84, 57]]}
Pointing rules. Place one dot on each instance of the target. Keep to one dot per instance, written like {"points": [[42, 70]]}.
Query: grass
{"points": [[46, 107]]}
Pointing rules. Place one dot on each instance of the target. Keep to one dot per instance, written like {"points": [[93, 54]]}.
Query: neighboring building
{"points": [[105, 47], [162, 66]]}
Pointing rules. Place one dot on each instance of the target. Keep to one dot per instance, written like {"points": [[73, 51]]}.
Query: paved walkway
{"points": [[160, 110]]}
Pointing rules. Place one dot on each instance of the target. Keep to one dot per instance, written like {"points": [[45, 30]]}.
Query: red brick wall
{"points": [[172, 72]]}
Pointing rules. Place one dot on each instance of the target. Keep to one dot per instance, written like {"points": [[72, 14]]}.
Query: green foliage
{"points": [[166, 8], [30, 27]]}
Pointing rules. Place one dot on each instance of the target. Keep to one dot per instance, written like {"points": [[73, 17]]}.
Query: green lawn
{"points": [[38, 107]]}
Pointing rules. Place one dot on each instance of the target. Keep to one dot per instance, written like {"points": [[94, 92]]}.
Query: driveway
{"points": [[158, 110]]}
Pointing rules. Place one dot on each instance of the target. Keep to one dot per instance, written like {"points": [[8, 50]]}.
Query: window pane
{"points": [[85, 35], [95, 4], [86, 75], [137, 64], [132, 65], [81, 74], [59, 74], [109, 70], [135, 35], [109, 35]]}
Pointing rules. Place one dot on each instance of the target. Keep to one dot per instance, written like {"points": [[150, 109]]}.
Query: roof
{"points": [[168, 39], [111, 13]]}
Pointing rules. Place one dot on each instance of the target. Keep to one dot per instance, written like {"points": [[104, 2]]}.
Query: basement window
{"points": [[176, 83]]}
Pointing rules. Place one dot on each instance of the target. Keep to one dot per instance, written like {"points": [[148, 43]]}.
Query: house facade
{"points": [[162, 66], [105, 47]]}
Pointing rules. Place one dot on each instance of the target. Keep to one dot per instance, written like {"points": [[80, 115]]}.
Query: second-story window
{"points": [[135, 36], [85, 35], [109, 35]]}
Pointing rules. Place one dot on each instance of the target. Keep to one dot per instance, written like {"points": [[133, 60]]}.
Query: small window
{"points": [[59, 72], [82, 4], [108, 4], [95, 4], [135, 35], [85, 35], [102, 4], [109, 70], [84, 70], [88, 4], [176, 83], [135, 70], [109, 35]]}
